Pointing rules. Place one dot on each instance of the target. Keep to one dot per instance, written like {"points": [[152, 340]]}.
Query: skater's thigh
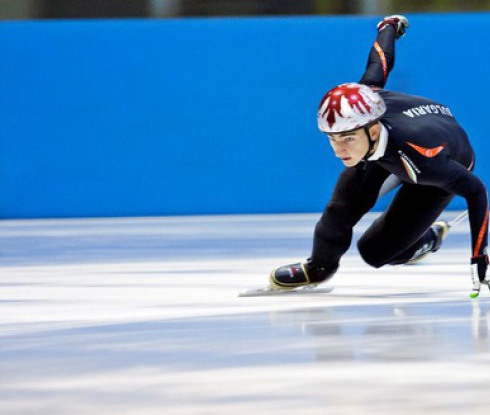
{"points": [[413, 210], [358, 189]]}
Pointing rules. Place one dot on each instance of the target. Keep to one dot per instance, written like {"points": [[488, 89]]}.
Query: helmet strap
{"points": [[371, 142]]}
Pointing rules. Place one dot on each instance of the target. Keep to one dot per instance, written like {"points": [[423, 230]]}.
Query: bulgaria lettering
{"points": [[428, 109]]}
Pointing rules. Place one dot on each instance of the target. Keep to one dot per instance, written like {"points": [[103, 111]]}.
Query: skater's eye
{"points": [[348, 139]]}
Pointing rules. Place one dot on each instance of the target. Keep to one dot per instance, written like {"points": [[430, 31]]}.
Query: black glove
{"points": [[479, 265], [399, 22]]}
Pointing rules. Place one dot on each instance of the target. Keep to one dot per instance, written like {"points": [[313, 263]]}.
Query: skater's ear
{"points": [[374, 130]]}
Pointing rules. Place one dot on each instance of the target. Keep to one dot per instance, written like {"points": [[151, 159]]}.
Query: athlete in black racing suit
{"points": [[415, 140]]}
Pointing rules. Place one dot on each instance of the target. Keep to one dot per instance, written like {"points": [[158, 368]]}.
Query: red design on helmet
{"points": [[348, 107]]}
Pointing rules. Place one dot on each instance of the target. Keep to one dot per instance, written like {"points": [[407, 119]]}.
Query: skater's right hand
{"points": [[479, 266], [399, 22]]}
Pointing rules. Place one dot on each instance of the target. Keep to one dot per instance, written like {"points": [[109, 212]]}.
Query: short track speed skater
{"points": [[313, 281]]}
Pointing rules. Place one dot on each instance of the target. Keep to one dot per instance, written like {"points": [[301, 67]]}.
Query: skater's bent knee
{"points": [[370, 255]]}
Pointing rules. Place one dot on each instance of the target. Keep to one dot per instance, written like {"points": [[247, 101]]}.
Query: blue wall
{"points": [[116, 118]]}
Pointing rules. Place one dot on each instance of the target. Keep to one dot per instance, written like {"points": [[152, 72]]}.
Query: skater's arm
{"points": [[454, 178], [473, 190], [382, 55]]}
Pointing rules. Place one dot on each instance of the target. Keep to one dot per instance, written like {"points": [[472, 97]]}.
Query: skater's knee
{"points": [[372, 260], [370, 254]]}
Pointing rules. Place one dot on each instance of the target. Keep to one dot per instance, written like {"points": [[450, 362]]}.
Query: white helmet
{"points": [[348, 107]]}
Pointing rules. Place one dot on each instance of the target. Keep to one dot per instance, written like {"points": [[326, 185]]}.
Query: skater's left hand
{"points": [[479, 266]]}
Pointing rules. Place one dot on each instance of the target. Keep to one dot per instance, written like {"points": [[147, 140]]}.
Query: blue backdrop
{"points": [[198, 116]]}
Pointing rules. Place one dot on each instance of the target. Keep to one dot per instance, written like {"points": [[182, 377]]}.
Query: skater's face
{"points": [[352, 146]]}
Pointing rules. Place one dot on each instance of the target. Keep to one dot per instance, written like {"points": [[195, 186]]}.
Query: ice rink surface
{"points": [[141, 316]]}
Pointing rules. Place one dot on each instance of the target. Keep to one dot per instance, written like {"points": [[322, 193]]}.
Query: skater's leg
{"points": [[404, 231], [355, 193]]}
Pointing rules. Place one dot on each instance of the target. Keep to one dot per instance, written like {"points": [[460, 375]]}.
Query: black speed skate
{"points": [[289, 277], [440, 230]]}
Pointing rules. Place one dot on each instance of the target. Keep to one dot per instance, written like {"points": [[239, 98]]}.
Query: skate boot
{"points": [[440, 230], [289, 277]]}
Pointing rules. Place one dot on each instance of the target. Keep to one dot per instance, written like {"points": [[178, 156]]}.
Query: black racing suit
{"points": [[429, 152]]}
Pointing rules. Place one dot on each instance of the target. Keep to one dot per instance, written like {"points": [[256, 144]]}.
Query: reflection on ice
{"points": [[418, 332]]}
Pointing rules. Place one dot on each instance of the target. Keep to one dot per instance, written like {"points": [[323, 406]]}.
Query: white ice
{"points": [[141, 316]]}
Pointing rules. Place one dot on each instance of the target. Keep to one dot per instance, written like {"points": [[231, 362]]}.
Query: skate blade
{"points": [[269, 291]]}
